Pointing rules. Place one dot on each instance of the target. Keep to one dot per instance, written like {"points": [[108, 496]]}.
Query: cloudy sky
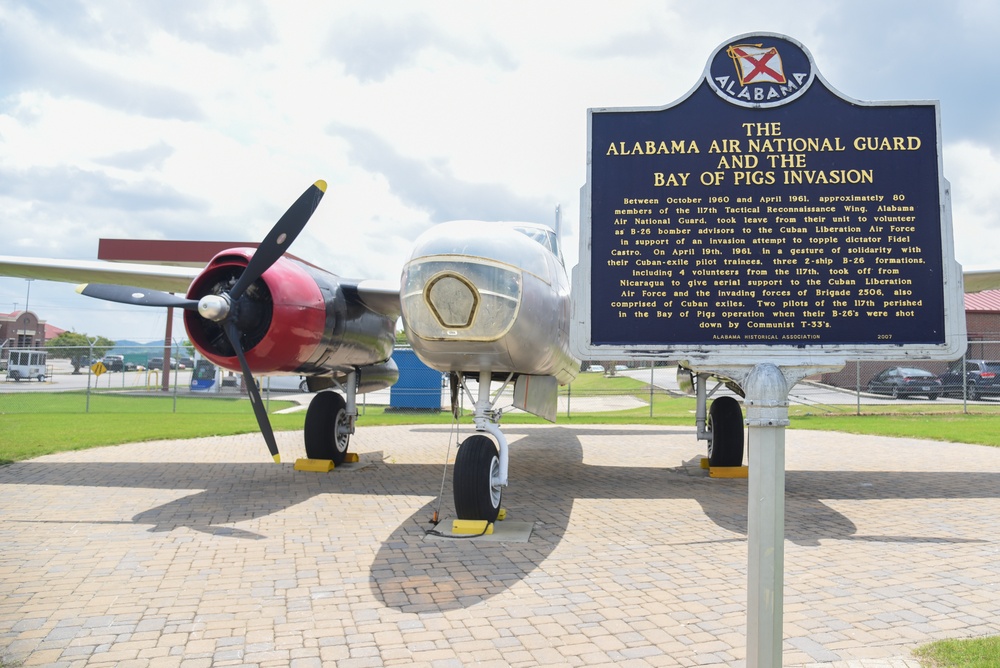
{"points": [[197, 119]]}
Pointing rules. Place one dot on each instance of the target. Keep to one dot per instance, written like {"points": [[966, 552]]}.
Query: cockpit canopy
{"points": [[492, 240], [465, 278]]}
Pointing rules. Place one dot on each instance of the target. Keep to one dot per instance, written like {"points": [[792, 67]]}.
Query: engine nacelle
{"points": [[293, 319]]}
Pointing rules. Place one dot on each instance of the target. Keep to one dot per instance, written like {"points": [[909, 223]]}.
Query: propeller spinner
{"points": [[227, 308]]}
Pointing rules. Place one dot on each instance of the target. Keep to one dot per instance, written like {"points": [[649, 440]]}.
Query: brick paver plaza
{"points": [[203, 553]]}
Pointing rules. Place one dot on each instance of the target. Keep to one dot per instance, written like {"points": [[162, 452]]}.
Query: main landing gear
{"points": [[725, 424], [477, 487], [330, 422], [721, 425]]}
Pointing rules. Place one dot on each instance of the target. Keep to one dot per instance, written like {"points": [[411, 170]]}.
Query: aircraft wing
{"points": [[150, 276], [977, 281], [379, 296]]}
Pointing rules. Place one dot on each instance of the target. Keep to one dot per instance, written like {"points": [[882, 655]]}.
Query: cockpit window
{"points": [[494, 241], [544, 236], [536, 234], [458, 298]]}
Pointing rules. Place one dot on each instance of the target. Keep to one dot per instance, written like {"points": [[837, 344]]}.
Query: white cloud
{"points": [[205, 120], [974, 172]]}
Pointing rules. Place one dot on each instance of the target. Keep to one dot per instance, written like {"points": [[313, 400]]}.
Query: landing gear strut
{"points": [[481, 466]]}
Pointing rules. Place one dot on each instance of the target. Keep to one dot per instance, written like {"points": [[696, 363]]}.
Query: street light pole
{"points": [[27, 301]]}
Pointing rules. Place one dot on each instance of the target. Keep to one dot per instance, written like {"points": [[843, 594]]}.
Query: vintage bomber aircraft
{"points": [[480, 301]]}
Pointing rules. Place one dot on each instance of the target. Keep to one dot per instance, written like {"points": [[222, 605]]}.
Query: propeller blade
{"points": [[137, 296], [233, 334], [280, 237]]}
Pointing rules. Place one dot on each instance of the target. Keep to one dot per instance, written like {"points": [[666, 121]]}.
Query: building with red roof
{"points": [[21, 329], [982, 320]]}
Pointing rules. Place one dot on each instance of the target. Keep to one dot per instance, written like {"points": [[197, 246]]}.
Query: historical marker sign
{"points": [[767, 213]]}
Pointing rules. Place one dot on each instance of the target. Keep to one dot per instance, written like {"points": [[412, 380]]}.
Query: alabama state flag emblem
{"points": [[755, 64]]}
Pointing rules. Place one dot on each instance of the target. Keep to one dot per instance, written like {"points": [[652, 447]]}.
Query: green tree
{"points": [[77, 348]]}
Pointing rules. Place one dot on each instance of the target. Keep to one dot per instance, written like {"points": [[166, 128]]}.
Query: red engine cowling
{"points": [[283, 318]]}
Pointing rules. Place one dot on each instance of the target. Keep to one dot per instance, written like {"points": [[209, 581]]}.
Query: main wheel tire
{"points": [[476, 465], [326, 415], [725, 448]]}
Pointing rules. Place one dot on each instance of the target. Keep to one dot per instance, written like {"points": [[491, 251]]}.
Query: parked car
{"points": [[186, 362], [901, 382], [114, 362], [157, 363], [284, 384], [982, 379]]}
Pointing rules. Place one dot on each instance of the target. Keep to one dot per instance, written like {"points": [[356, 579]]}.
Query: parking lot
{"points": [[203, 553]]}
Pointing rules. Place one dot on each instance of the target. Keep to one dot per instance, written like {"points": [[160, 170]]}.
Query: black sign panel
{"points": [[766, 209]]}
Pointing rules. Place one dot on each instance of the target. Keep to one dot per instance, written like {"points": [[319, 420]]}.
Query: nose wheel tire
{"points": [[476, 476], [725, 447], [327, 434]]}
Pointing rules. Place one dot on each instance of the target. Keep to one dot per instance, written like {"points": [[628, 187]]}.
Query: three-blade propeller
{"points": [[225, 309]]}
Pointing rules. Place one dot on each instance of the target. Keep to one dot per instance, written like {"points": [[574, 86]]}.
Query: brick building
{"points": [[982, 319], [22, 329]]}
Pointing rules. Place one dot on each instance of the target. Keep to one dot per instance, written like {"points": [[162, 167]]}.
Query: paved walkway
{"points": [[202, 553]]}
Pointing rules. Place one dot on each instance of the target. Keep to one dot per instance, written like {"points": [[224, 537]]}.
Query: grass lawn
{"points": [[37, 423], [42, 423], [968, 653], [980, 428]]}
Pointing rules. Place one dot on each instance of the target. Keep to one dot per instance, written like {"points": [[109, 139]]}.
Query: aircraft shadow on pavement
{"points": [[416, 575], [548, 476]]}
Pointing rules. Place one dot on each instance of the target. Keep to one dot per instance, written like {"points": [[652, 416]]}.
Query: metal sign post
{"points": [[767, 417], [766, 556], [766, 386]]}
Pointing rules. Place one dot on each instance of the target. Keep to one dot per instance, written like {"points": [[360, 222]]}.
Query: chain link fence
{"points": [[140, 372], [973, 380], [84, 376]]}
